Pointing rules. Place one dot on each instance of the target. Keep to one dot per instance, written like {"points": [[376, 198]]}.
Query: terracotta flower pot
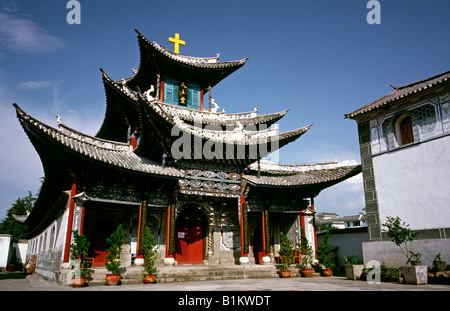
{"points": [[308, 272], [112, 279], [285, 274], [327, 272], [78, 282], [150, 279]]}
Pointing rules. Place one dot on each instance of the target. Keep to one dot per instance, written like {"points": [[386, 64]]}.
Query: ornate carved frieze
{"points": [[119, 195], [277, 206], [113, 193], [210, 183]]}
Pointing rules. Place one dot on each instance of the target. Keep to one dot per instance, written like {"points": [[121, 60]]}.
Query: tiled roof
{"points": [[401, 92], [109, 152], [200, 62], [205, 117], [311, 176], [237, 136]]}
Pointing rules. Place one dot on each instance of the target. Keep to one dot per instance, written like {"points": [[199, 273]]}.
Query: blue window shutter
{"points": [[194, 97], [171, 92]]}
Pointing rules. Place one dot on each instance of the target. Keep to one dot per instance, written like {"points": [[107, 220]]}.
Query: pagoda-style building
{"points": [[167, 158]]}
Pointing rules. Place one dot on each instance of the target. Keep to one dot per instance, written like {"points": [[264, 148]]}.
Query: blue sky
{"points": [[318, 58]]}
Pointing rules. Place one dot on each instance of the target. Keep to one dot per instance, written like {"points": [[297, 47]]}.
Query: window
{"points": [[182, 94], [404, 130]]}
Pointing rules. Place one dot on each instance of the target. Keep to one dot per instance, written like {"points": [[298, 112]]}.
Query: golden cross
{"points": [[177, 42]]}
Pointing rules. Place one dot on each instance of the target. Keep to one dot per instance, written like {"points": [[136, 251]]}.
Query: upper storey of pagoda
{"points": [[176, 79]]}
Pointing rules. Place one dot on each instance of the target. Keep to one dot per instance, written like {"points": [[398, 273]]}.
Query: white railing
{"points": [[186, 113]]}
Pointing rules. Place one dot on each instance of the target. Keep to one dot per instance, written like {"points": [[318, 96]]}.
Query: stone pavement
{"points": [[15, 281]]}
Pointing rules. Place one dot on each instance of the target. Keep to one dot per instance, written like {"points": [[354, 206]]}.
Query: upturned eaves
{"points": [[109, 152], [303, 178]]}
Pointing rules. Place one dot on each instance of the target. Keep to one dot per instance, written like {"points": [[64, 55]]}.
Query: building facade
{"points": [[166, 158], [404, 144]]}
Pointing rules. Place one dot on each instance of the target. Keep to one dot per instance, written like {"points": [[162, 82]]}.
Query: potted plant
{"points": [[323, 249], [149, 252], [402, 236], [306, 265], [286, 255], [78, 251], [112, 259], [353, 267], [415, 258], [307, 253], [438, 263]]}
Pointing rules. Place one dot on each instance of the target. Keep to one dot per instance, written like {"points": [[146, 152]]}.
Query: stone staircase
{"points": [[186, 273]]}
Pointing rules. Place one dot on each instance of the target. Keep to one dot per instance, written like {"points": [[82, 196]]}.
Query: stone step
{"points": [[186, 273]]}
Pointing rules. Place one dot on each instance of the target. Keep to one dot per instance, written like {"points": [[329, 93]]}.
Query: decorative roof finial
{"points": [[177, 42], [394, 87]]}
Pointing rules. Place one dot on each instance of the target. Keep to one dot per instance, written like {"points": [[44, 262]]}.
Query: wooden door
{"points": [[189, 238], [189, 246], [101, 231], [258, 250], [406, 131]]}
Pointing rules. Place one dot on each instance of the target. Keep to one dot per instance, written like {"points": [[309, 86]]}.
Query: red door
{"points": [[258, 251], [189, 237], [189, 245], [101, 231]]}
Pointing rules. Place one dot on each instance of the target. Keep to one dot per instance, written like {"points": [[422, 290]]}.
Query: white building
{"points": [[404, 140], [334, 221]]}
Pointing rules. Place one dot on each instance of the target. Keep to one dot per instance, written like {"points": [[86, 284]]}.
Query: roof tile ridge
{"points": [[70, 133], [185, 58], [424, 80]]}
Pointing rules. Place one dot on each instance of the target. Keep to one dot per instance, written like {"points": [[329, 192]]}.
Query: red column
{"points": [[70, 221], [168, 226], [162, 91], [201, 100]]}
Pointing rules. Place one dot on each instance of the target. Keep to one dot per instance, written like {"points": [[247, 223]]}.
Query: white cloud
{"points": [[34, 85], [9, 6], [20, 35]]}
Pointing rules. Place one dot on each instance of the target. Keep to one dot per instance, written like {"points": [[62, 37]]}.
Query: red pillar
{"points": [[162, 91], [168, 227], [70, 220], [201, 100]]}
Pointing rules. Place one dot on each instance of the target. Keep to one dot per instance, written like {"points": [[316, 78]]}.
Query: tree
{"points": [[11, 226], [287, 258], [400, 234], [323, 249], [112, 259], [78, 252], [149, 250]]}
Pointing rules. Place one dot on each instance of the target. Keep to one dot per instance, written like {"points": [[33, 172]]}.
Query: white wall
{"points": [[390, 254], [48, 247], [5, 246], [21, 250], [414, 184]]}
